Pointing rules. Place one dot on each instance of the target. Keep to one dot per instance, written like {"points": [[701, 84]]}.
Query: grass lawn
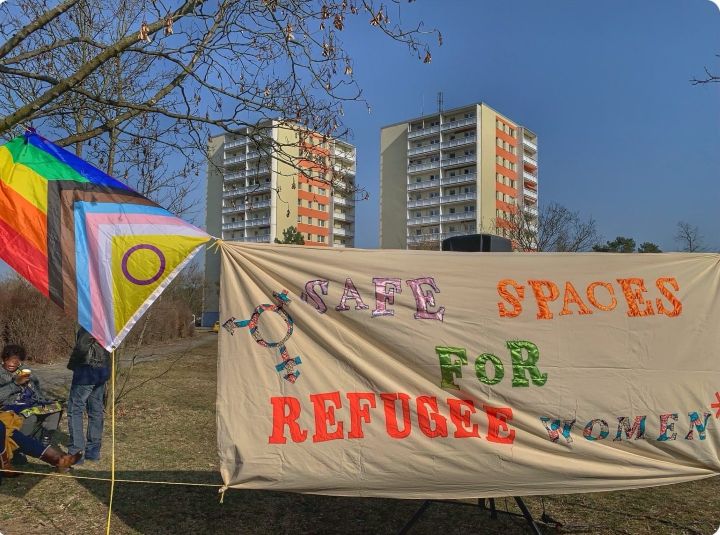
{"points": [[166, 431]]}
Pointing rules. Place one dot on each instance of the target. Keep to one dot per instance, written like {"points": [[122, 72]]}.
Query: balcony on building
{"points": [[530, 177], [252, 205], [422, 238], [342, 231], [529, 145], [234, 209], [343, 169], [445, 199], [459, 216], [460, 160], [529, 160], [531, 194], [423, 184], [530, 140], [258, 222], [420, 167], [234, 143], [260, 238], [531, 209], [416, 132], [340, 216], [235, 192], [460, 123], [433, 201], [423, 220], [459, 141], [233, 225], [343, 201], [425, 149], [458, 179], [344, 152]]}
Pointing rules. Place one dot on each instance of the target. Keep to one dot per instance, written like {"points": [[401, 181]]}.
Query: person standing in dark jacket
{"points": [[90, 363]]}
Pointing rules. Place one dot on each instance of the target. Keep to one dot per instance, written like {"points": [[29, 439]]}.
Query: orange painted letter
{"points": [[543, 298], [633, 289], [677, 305], [510, 298], [571, 296]]}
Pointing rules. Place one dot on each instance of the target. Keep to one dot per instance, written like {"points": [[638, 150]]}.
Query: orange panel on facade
{"points": [[313, 229], [505, 207], [505, 171], [508, 155], [312, 181], [311, 212], [499, 186], [506, 137], [307, 196]]}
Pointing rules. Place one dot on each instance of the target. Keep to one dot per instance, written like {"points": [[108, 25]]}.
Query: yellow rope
{"points": [[146, 481], [112, 440], [215, 246]]}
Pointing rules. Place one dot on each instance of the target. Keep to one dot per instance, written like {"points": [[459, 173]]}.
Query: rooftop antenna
{"points": [[440, 101]]}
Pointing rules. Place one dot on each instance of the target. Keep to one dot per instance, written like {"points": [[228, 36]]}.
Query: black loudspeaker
{"points": [[477, 243]]}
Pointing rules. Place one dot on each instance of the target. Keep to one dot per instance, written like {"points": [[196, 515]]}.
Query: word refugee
{"points": [[340, 417]]}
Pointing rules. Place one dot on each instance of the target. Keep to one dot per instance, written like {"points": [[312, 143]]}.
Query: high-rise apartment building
{"points": [[461, 171], [269, 178]]}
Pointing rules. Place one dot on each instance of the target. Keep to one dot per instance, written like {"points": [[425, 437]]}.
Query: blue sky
{"points": [[624, 136]]}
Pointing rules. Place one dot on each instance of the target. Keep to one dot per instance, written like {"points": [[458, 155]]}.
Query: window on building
{"points": [[452, 210], [321, 222], [309, 237], [452, 229], [321, 206], [321, 239]]}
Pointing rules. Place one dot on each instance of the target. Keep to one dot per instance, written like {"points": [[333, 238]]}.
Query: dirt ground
{"points": [[166, 431]]}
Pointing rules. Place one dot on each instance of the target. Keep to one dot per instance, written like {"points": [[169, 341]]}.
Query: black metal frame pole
{"points": [[528, 517], [415, 518], [481, 504]]}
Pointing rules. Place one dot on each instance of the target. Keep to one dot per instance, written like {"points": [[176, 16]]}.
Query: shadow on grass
{"points": [[171, 509]]}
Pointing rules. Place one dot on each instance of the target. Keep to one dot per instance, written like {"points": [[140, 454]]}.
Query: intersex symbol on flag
{"points": [[94, 246]]}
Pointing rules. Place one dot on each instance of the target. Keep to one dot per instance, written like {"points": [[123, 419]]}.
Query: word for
{"points": [[599, 429], [357, 409], [423, 290], [452, 359], [600, 295]]}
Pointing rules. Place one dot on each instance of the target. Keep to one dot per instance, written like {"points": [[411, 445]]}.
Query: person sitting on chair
{"points": [[20, 392], [12, 440]]}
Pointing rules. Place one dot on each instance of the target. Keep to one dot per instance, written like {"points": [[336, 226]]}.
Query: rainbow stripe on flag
{"points": [[94, 246]]}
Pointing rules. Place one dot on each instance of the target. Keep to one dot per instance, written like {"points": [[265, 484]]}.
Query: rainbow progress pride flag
{"points": [[94, 246]]}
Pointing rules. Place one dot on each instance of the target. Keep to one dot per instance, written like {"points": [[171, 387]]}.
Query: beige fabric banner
{"points": [[420, 374]]}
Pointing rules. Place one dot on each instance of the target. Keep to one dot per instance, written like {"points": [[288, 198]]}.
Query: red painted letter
{"points": [[325, 416], [391, 423], [497, 420], [359, 413], [461, 418], [280, 420], [424, 417]]}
